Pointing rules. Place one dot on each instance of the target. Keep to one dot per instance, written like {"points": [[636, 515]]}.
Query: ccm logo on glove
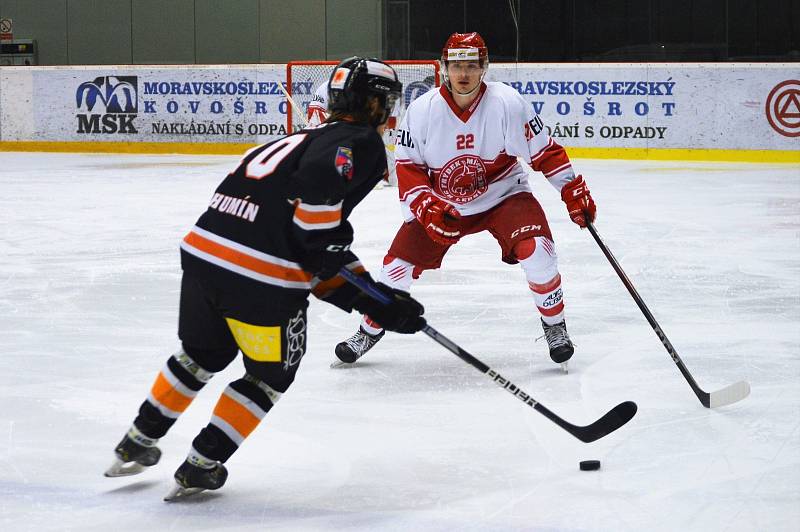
{"points": [[578, 199], [438, 217], [337, 248]]}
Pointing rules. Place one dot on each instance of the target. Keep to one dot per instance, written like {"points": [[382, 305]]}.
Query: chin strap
{"points": [[478, 86]]}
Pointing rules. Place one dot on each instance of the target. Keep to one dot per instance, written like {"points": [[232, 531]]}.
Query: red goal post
{"points": [[303, 78]]}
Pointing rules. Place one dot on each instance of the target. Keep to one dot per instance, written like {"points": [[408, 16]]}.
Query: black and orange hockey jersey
{"points": [[286, 201]]}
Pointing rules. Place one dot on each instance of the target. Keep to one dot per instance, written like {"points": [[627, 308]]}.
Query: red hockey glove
{"points": [[437, 217], [578, 199]]}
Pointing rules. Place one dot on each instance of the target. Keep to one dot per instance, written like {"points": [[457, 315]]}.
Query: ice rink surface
{"points": [[413, 438]]}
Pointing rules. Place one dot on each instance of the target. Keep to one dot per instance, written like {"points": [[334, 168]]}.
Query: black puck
{"points": [[590, 465]]}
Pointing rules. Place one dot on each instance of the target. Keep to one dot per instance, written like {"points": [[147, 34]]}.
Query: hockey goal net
{"points": [[303, 78]]}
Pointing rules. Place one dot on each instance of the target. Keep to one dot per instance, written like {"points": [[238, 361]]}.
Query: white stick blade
{"points": [[731, 394]]}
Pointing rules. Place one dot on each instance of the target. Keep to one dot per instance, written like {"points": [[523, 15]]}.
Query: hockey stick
{"points": [[297, 108], [730, 394], [611, 421]]}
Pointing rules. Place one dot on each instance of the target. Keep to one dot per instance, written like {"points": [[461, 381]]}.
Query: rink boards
{"points": [[690, 111]]}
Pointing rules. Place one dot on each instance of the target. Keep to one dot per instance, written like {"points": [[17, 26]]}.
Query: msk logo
{"points": [[114, 101]]}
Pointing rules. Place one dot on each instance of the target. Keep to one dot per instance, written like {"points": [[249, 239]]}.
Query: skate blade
{"points": [[343, 365], [123, 469], [179, 492], [565, 367]]}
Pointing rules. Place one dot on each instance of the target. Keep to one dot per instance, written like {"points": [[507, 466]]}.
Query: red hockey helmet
{"points": [[465, 47]]}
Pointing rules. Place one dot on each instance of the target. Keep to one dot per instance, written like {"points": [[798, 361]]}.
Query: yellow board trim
{"points": [[202, 148], [230, 148], [262, 344], [679, 154]]}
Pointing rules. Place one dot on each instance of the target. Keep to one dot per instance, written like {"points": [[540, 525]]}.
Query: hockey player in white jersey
{"points": [[457, 152], [318, 106]]}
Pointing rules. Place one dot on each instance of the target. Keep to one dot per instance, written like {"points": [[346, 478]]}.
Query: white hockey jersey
{"points": [[318, 106], [469, 158]]}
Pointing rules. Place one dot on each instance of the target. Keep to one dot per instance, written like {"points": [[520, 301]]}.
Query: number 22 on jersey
{"points": [[465, 142]]}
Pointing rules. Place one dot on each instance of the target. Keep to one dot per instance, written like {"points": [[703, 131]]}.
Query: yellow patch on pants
{"points": [[262, 344]]}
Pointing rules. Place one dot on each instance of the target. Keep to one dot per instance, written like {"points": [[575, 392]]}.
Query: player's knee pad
{"points": [[542, 264], [192, 367], [262, 388], [397, 273], [525, 248], [174, 389]]}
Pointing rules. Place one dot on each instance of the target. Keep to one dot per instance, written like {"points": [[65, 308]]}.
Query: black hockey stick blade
{"points": [[614, 419], [611, 421]]}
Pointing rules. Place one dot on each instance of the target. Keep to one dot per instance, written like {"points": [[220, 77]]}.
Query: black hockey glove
{"points": [[327, 262], [403, 314]]}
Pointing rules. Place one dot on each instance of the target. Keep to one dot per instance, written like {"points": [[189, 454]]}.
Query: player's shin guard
{"points": [[544, 281], [175, 387], [240, 409]]}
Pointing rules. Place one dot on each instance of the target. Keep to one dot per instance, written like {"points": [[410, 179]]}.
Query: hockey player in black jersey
{"points": [[274, 232]]}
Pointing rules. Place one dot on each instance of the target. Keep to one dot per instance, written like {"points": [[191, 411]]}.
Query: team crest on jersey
{"points": [[344, 162], [463, 179]]}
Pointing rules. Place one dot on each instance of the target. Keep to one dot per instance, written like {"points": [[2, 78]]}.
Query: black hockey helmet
{"points": [[355, 79]]}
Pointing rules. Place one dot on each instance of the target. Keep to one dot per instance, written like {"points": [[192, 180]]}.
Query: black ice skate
{"points": [[355, 347], [561, 348], [191, 479], [133, 454]]}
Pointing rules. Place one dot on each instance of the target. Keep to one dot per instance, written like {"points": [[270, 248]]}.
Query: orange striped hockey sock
{"points": [[175, 387], [240, 409]]}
